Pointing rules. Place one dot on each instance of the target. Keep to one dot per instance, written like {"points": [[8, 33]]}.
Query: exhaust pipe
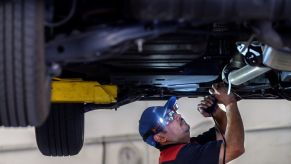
{"points": [[277, 59], [272, 58], [246, 73]]}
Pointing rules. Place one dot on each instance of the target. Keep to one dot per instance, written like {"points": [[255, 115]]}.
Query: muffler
{"points": [[246, 73], [277, 59], [271, 57]]}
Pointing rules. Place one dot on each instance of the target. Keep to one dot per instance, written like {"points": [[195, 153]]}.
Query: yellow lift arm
{"points": [[78, 91]]}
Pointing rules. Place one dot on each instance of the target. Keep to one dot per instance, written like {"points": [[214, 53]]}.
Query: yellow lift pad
{"points": [[78, 91]]}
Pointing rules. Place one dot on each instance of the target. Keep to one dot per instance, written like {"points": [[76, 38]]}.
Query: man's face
{"points": [[177, 131]]}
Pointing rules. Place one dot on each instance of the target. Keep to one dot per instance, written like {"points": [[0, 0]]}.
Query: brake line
{"points": [[66, 19]]}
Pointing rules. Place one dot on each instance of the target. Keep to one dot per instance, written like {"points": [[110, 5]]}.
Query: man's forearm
{"points": [[234, 133], [220, 117]]}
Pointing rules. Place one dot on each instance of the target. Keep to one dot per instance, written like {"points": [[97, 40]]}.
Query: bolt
{"points": [[139, 43], [55, 69]]}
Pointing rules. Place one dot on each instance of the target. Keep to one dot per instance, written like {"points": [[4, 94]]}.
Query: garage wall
{"points": [[111, 136]]}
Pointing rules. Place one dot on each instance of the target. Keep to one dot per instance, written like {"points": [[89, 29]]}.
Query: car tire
{"points": [[24, 84], [63, 132]]}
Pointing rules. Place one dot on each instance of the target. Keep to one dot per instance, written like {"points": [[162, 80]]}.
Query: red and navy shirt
{"points": [[203, 149]]}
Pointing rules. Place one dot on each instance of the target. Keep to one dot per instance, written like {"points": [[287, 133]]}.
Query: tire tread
{"points": [[65, 127], [24, 85]]}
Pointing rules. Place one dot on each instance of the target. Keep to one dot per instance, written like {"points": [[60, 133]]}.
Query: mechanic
{"points": [[165, 129]]}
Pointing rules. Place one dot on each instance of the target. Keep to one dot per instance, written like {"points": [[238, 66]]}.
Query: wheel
{"points": [[24, 86], [63, 132]]}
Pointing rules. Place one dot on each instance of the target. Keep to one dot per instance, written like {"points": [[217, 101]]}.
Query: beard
{"points": [[187, 129], [183, 123]]}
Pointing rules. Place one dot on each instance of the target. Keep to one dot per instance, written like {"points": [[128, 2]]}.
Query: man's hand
{"points": [[206, 103], [220, 93], [234, 129], [218, 114]]}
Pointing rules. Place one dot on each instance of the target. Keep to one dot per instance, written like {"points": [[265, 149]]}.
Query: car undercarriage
{"points": [[152, 51]]}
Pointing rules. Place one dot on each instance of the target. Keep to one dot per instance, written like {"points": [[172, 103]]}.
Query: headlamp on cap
{"points": [[167, 116]]}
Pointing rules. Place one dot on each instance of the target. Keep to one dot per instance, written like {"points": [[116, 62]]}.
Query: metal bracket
{"points": [[90, 46]]}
